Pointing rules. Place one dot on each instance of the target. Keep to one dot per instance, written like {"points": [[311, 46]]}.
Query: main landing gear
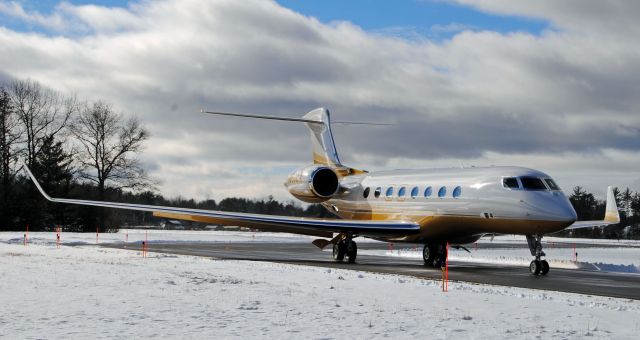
{"points": [[434, 255], [537, 266], [346, 247]]}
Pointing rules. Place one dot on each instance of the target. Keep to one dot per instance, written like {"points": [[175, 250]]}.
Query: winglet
{"points": [[611, 211], [35, 181]]}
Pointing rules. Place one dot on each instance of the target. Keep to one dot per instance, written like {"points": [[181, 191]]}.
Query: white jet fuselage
{"points": [[455, 204]]}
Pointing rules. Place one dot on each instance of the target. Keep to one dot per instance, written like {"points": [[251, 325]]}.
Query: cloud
{"points": [[568, 93]]}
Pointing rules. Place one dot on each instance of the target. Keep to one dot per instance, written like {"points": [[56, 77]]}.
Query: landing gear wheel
{"points": [[339, 250], [545, 267], [441, 256], [535, 267], [352, 252], [428, 255]]}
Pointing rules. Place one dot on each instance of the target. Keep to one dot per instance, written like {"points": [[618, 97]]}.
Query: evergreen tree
{"points": [[52, 166]]}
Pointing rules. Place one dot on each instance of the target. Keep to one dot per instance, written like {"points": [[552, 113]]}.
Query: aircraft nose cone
{"points": [[568, 212], [554, 207], [563, 210]]}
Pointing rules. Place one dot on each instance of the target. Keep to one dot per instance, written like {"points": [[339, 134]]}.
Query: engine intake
{"points": [[313, 184]]}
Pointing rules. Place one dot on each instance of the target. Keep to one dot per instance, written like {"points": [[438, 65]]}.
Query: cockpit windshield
{"points": [[551, 184], [510, 182], [532, 183]]}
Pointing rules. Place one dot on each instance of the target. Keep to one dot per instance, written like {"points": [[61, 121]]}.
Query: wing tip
{"points": [[34, 180], [611, 209]]}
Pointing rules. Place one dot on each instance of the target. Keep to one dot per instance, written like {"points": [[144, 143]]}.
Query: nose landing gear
{"points": [[537, 266]]}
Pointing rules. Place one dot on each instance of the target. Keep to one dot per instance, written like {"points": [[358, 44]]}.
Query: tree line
{"points": [[88, 150], [75, 148]]}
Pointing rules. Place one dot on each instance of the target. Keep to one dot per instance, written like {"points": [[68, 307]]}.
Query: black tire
{"points": [[428, 255], [339, 250], [544, 267], [534, 267], [352, 252], [441, 256]]}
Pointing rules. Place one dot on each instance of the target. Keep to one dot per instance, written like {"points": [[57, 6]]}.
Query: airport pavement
{"points": [[619, 285]]}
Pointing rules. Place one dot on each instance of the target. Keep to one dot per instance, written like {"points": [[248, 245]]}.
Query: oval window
{"points": [[366, 192], [377, 192], [414, 192], [442, 192], [389, 191], [457, 191], [427, 192], [402, 191]]}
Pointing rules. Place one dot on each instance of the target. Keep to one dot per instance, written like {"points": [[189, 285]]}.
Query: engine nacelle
{"points": [[313, 184]]}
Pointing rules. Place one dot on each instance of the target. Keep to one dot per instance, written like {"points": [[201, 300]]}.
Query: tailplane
{"points": [[319, 123]]}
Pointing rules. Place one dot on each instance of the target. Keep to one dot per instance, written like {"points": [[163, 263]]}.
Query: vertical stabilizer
{"points": [[323, 146]]}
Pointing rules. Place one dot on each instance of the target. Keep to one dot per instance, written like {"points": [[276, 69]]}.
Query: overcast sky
{"points": [[544, 84]]}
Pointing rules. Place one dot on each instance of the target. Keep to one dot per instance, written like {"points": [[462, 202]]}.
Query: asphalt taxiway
{"points": [[621, 285]]}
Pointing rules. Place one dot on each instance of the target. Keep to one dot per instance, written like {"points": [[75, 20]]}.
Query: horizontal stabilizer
{"points": [[289, 119]]}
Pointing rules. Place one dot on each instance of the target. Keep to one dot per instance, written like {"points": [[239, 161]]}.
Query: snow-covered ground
{"points": [[91, 292]]}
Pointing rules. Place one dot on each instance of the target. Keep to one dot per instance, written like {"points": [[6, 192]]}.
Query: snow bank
{"points": [[88, 292]]}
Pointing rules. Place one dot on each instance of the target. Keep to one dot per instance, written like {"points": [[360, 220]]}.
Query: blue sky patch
{"points": [[427, 19], [409, 19]]}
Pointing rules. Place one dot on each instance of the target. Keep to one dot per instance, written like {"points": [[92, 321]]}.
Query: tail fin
{"points": [[319, 123], [323, 146]]}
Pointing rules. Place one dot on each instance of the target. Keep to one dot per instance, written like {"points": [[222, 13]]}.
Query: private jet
{"points": [[433, 207]]}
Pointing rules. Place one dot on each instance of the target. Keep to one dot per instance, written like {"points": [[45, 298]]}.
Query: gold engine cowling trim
{"points": [[313, 184]]}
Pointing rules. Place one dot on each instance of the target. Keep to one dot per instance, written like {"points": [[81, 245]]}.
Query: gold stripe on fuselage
{"points": [[452, 226]]}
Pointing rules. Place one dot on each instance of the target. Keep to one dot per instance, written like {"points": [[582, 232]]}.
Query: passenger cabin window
{"points": [[442, 192], [366, 192], [427, 192], [414, 192], [457, 191], [552, 184], [510, 182], [532, 183], [377, 192], [389, 191], [402, 191]]}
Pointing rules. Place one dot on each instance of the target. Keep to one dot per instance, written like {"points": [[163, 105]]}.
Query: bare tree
{"points": [[9, 137], [42, 112], [108, 146]]}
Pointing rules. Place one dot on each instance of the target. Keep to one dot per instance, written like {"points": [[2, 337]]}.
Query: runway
{"points": [[619, 285]]}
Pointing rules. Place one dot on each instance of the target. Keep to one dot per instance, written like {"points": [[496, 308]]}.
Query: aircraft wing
{"points": [[296, 225], [611, 215]]}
